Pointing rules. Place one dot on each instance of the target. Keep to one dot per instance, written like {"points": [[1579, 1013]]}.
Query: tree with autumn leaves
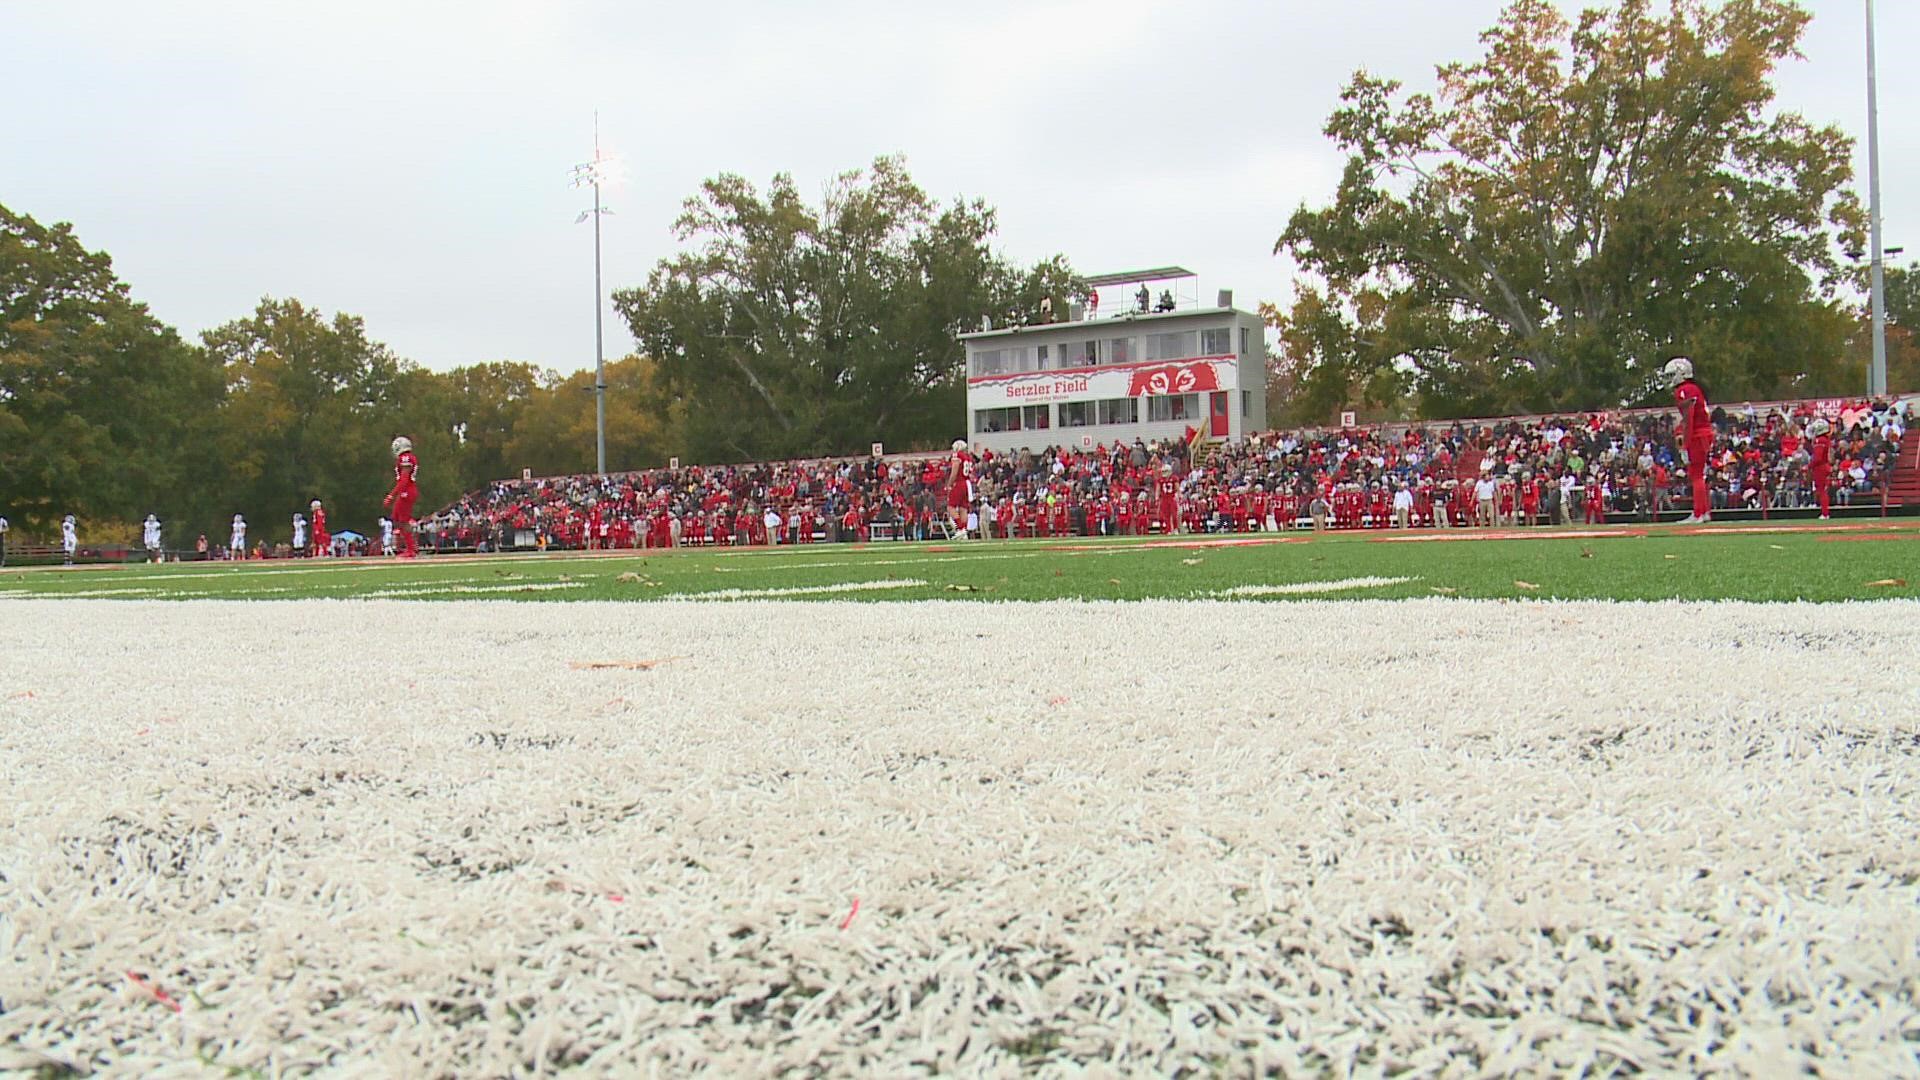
{"points": [[1563, 213]]}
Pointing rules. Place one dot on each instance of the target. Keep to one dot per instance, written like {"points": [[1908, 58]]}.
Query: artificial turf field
{"points": [[1197, 835], [1767, 562]]}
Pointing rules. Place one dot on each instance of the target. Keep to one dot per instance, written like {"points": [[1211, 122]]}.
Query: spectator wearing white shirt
{"points": [[1484, 491], [1402, 508]]}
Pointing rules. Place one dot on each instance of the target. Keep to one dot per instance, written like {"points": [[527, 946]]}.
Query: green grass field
{"points": [[1842, 562]]}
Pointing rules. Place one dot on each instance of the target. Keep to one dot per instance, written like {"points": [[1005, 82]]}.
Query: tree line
{"points": [[785, 330]]}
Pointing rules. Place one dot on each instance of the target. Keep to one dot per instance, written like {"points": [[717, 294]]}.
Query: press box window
{"points": [[1174, 407]]}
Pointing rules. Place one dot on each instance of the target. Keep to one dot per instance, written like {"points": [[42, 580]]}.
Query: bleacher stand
{"points": [[1593, 467]]}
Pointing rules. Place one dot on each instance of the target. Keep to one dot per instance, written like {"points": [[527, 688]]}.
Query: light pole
{"points": [[1877, 374], [589, 174]]}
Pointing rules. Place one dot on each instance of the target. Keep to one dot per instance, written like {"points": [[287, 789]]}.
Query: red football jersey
{"points": [[1695, 415], [405, 466]]}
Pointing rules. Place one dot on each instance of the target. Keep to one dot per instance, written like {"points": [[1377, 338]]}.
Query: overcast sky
{"points": [[408, 162]]}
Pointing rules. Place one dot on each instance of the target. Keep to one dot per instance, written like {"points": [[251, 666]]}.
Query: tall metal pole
{"points": [[1877, 375], [591, 174], [599, 339]]}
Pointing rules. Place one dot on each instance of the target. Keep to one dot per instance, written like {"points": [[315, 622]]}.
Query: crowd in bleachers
{"points": [[1544, 470]]}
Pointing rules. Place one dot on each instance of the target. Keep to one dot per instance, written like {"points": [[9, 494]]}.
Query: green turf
{"points": [[1749, 564]]}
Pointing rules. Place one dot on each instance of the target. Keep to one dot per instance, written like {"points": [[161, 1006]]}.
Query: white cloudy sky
{"points": [[407, 161]]}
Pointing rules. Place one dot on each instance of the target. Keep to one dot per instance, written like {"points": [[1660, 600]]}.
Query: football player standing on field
{"points": [[1696, 432], [406, 489], [322, 540]]}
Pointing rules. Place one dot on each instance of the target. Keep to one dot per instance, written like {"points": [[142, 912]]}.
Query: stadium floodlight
{"points": [[1877, 374], [593, 174]]}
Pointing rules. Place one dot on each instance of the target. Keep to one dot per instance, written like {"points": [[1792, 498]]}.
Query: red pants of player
{"points": [[1823, 489], [403, 524], [1697, 447]]}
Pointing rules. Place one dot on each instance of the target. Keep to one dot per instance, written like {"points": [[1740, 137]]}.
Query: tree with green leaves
{"points": [[790, 329], [101, 405], [311, 406], [1568, 210]]}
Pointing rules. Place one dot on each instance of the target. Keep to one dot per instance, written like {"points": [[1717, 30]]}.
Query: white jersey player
{"points": [[237, 543], [299, 533], [386, 536], [69, 538], [150, 538]]}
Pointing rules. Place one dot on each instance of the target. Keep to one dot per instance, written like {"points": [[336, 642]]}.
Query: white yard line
{"points": [[857, 562], [805, 590], [456, 590], [1308, 588]]}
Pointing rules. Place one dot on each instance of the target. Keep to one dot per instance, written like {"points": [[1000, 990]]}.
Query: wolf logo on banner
{"points": [[1174, 379]]}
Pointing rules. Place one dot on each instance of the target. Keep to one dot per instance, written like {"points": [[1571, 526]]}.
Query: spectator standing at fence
{"points": [[200, 548], [69, 538], [1696, 432]]}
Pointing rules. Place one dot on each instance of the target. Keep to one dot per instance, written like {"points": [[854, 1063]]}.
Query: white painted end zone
{"points": [[1430, 837]]}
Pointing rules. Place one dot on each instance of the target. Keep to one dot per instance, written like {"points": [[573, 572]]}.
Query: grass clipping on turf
{"points": [[1422, 837]]}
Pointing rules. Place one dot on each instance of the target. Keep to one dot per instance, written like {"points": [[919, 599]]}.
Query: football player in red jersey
{"points": [[959, 488], [1696, 432], [1820, 464], [1168, 489], [322, 540], [405, 490]]}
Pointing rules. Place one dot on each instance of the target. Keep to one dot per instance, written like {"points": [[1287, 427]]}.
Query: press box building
{"points": [[1152, 369]]}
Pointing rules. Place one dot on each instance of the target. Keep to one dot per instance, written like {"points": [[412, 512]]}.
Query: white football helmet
{"points": [[959, 445], [1819, 428], [401, 444], [314, 505], [150, 517], [238, 520], [1678, 370]]}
